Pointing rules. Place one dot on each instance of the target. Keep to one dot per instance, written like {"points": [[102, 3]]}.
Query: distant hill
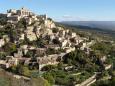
{"points": [[93, 24], [87, 27]]}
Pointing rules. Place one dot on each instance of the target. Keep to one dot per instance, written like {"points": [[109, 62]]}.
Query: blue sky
{"points": [[96, 10]]}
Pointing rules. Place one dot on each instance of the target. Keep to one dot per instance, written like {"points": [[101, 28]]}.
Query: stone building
{"points": [[21, 12], [46, 60], [15, 15], [24, 12]]}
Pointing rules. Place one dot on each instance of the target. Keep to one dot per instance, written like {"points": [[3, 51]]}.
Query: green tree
{"points": [[49, 77], [39, 82], [10, 48], [48, 67], [3, 55]]}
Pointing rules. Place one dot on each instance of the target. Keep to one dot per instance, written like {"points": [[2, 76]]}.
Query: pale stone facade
{"points": [[30, 34], [49, 60], [2, 42], [24, 12], [49, 24], [15, 15]]}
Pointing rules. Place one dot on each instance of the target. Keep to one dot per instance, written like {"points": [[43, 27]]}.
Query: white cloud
{"points": [[67, 16], [73, 18]]}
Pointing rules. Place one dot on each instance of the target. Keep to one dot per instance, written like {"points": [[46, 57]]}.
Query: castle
{"points": [[13, 16]]}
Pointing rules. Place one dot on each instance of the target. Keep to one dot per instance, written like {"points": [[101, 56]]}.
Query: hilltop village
{"points": [[32, 41], [39, 27]]}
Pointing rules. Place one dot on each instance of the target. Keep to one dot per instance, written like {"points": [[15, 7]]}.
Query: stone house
{"points": [[54, 46], [6, 38], [11, 61], [48, 60], [2, 42], [107, 66], [70, 49], [40, 51], [49, 24]]}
